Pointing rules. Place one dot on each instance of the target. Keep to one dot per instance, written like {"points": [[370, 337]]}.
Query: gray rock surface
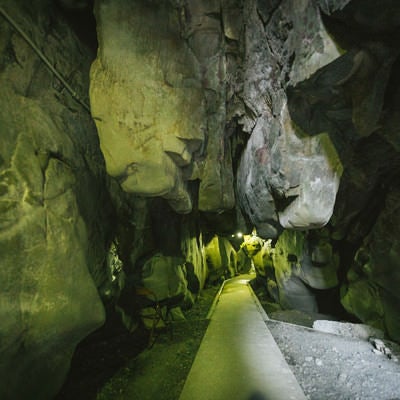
{"points": [[358, 331], [334, 367], [283, 172]]}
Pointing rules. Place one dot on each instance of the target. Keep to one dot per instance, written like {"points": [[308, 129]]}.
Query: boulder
{"points": [[297, 271], [164, 276], [358, 331], [243, 262], [285, 178]]}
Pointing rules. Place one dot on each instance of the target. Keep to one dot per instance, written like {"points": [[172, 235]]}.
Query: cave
{"points": [[159, 156]]}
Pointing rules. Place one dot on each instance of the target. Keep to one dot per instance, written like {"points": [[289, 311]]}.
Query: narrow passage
{"points": [[238, 357]]}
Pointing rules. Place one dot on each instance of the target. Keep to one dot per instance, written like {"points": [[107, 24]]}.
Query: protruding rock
{"points": [[146, 99]]}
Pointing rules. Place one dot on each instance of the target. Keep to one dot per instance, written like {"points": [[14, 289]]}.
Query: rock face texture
{"points": [[52, 188], [221, 260], [303, 262], [285, 177], [322, 149], [282, 115], [165, 124], [359, 120], [69, 236], [154, 121], [371, 293]]}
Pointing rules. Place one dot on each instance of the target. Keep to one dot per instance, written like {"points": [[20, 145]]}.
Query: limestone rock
{"points": [[347, 107], [53, 189], [296, 272], [273, 172], [165, 277], [243, 262], [359, 331], [146, 99], [221, 259], [313, 176], [261, 253], [206, 40], [158, 99], [193, 250], [329, 6]]}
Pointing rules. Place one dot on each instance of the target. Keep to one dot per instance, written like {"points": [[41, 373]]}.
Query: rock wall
{"points": [[285, 178], [221, 260], [196, 103], [371, 293], [55, 207], [324, 72], [166, 123], [162, 251]]}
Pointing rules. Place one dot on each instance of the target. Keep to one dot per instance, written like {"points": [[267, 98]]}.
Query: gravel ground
{"points": [[333, 367]]}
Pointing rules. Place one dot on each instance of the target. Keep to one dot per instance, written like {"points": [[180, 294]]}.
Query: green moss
{"points": [[362, 299]]}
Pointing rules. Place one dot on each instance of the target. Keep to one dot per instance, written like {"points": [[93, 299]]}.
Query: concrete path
{"points": [[238, 358]]}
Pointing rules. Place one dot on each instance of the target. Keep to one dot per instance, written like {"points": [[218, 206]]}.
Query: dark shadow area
{"points": [[328, 302], [99, 356], [258, 396], [81, 20], [112, 360]]}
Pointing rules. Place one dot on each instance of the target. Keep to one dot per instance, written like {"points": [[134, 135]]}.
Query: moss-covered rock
{"points": [[374, 278], [221, 259], [303, 262]]}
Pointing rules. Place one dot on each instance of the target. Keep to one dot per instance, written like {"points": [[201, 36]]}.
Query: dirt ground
{"points": [[328, 366], [113, 364]]}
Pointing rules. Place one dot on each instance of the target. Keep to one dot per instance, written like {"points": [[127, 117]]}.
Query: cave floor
{"points": [[326, 366], [238, 357]]}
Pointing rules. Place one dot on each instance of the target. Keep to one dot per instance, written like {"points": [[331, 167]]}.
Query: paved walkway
{"points": [[238, 358]]}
